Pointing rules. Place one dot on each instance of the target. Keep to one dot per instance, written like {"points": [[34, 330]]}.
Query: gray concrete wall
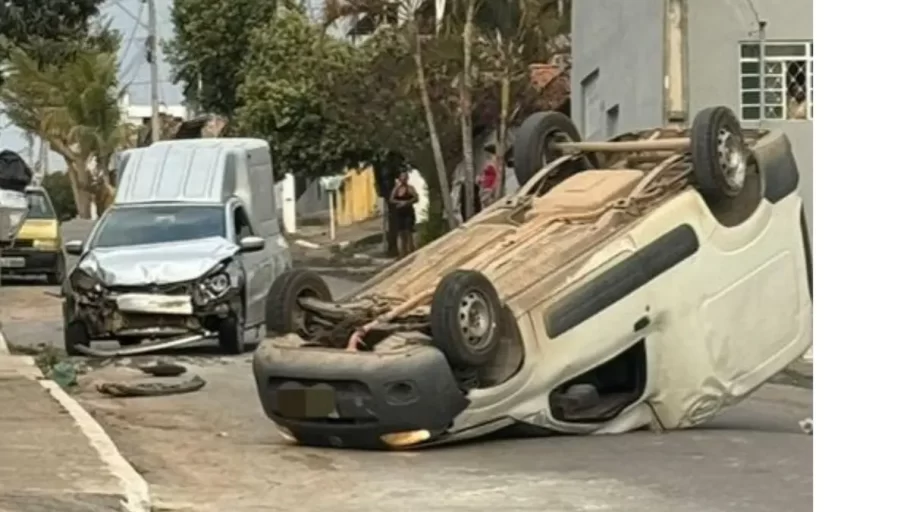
{"points": [[621, 41], [715, 29], [313, 201]]}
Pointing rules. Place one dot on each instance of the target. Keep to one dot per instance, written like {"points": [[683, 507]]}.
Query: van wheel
{"points": [[230, 334], [719, 153], [466, 318], [532, 151], [283, 314]]}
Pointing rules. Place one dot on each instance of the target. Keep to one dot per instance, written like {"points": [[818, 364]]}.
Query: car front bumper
{"points": [[29, 261], [150, 315], [331, 397]]}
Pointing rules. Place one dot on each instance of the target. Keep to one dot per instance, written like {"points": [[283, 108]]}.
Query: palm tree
{"points": [[75, 107]]}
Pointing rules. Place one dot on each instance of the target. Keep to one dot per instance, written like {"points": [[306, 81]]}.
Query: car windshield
{"points": [[159, 224], [38, 206]]}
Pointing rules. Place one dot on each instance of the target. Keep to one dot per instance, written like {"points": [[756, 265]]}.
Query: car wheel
{"points": [[465, 318], [283, 314], [230, 334], [59, 274], [532, 151], [719, 153], [75, 335]]}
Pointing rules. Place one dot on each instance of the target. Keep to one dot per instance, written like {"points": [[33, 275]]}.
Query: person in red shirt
{"points": [[486, 179]]}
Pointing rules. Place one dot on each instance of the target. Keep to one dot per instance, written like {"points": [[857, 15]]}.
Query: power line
{"points": [[136, 17], [136, 24], [132, 67]]}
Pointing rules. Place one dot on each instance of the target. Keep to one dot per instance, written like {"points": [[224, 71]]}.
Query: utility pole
{"points": [[152, 58], [761, 70]]}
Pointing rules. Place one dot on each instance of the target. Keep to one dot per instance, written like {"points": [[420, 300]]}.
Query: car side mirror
{"points": [[251, 244], [74, 247]]}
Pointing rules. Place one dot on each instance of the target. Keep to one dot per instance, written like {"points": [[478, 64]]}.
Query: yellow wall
{"points": [[356, 200]]}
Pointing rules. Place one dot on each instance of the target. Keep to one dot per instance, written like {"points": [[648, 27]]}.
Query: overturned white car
{"points": [[653, 280]]}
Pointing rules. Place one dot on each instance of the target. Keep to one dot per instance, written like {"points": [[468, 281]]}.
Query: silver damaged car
{"points": [[173, 273]]}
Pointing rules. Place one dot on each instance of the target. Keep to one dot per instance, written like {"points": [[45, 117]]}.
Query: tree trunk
{"points": [[102, 191], [504, 108], [81, 196], [434, 134], [467, 110]]}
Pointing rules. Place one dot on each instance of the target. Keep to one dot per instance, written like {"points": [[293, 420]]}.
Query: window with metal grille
{"points": [[788, 83]]}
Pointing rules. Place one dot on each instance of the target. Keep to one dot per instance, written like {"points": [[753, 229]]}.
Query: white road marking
{"points": [[135, 488]]}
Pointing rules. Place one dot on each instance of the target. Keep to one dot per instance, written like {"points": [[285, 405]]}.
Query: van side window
{"points": [[242, 227]]}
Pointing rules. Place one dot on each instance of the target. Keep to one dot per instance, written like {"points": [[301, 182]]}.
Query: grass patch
{"points": [[51, 361]]}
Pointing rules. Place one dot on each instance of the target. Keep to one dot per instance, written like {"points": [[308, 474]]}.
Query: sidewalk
{"points": [[318, 235], [54, 457], [355, 254]]}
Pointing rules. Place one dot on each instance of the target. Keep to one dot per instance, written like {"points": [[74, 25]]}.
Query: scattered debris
{"points": [[309, 245], [806, 425], [157, 386], [64, 374], [163, 369]]}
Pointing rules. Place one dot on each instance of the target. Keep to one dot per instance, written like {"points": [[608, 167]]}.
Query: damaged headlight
{"points": [[218, 283], [84, 282]]}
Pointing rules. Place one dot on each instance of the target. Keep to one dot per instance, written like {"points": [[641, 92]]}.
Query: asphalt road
{"points": [[215, 450]]}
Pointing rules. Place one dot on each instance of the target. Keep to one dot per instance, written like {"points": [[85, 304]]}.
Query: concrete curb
{"points": [[134, 488], [4, 346]]}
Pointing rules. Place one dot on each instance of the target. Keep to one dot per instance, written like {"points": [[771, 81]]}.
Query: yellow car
{"points": [[38, 248]]}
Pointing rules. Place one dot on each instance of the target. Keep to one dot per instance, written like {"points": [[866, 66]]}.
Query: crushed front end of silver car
{"points": [[173, 294]]}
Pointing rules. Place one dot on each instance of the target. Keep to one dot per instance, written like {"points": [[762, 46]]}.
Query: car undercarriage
{"points": [[587, 194], [545, 310]]}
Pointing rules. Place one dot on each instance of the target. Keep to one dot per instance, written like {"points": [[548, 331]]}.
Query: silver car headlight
{"points": [[84, 282], [219, 283]]}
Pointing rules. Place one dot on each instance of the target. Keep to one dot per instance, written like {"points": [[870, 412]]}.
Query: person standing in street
{"points": [[403, 199]]}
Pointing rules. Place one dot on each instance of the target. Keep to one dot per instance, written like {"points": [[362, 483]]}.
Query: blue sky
{"points": [[134, 70]]}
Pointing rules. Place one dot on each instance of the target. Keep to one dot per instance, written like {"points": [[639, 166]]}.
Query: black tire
{"points": [[230, 334], [451, 309], [59, 274], [75, 334], [152, 386], [283, 314], [531, 148], [716, 174]]}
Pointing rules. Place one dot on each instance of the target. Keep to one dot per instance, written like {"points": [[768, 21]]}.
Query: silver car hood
{"points": [[156, 264]]}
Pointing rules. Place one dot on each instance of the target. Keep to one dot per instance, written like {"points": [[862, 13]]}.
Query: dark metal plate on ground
{"points": [[315, 402]]}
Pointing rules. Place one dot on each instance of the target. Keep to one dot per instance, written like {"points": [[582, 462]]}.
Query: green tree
{"points": [[512, 35], [211, 42], [75, 107], [413, 35], [52, 31], [293, 75], [58, 188]]}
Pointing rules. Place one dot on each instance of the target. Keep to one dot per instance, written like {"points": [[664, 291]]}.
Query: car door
{"points": [[256, 265]]}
